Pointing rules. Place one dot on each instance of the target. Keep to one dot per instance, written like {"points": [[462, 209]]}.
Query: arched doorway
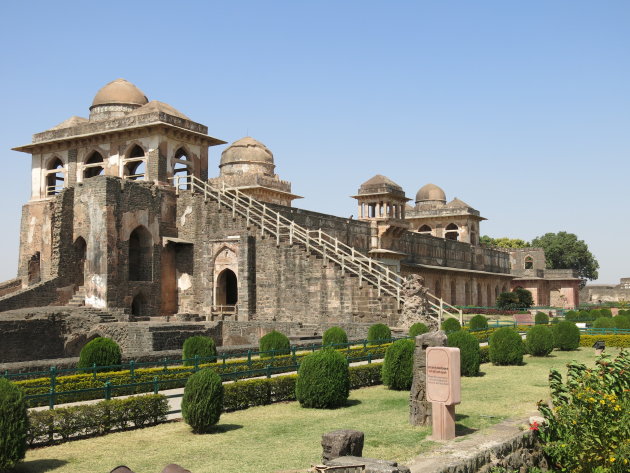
{"points": [[79, 246], [227, 288], [140, 255], [139, 305]]}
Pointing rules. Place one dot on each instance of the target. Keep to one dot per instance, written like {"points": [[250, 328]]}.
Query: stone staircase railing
{"points": [[274, 224]]}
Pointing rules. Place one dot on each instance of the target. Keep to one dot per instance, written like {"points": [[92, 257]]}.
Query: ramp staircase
{"points": [[273, 224]]}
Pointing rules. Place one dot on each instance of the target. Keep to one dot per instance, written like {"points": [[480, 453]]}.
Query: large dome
{"points": [[247, 151], [119, 91], [430, 193]]}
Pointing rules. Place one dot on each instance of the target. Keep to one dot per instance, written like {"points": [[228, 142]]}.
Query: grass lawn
{"points": [[285, 436]]}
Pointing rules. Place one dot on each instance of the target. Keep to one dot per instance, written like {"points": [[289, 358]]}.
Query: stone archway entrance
{"points": [[80, 247], [226, 289]]}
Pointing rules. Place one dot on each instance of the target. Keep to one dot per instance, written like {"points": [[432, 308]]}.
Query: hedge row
{"points": [[63, 424], [168, 378], [622, 341]]}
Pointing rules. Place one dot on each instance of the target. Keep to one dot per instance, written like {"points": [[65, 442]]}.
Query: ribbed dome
{"points": [[119, 91], [430, 192], [246, 150]]}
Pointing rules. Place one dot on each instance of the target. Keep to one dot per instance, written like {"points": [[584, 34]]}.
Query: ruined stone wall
{"points": [[37, 295]]}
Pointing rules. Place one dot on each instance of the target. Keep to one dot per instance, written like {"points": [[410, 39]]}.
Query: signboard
{"points": [[443, 375]]}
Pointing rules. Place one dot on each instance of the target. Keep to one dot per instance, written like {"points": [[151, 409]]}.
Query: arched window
{"points": [[54, 177], [529, 262], [452, 232], [135, 165], [140, 255], [182, 169], [227, 288], [425, 230], [93, 166]]}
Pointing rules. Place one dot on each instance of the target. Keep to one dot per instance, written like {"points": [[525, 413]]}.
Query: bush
{"points": [[621, 321], [478, 322], [200, 346], [418, 329], [470, 356], [539, 341], [587, 423], [274, 344], [451, 325], [484, 354], [203, 400], [622, 341], [525, 298], [541, 318], [508, 301], [603, 322], [100, 352], [584, 316], [570, 315], [378, 332], [323, 380], [566, 336], [13, 425], [506, 347], [398, 365], [335, 336], [96, 419], [605, 312], [594, 314]]}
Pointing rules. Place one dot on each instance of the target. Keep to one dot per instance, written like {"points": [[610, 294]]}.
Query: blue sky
{"points": [[520, 108]]}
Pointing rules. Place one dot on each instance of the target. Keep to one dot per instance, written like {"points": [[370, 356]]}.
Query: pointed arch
{"points": [[93, 165], [226, 292], [452, 232], [182, 168], [55, 176], [425, 230], [140, 255], [135, 164], [79, 248], [529, 262]]}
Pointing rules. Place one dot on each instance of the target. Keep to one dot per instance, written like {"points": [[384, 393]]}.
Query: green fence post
{"points": [[165, 363], [268, 371], [156, 385], [132, 370], [51, 398], [53, 378], [293, 354], [273, 354], [369, 358], [224, 357], [108, 390], [313, 348], [364, 344], [94, 370], [196, 368], [249, 359]]}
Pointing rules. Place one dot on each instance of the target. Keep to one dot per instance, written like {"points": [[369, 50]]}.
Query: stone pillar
{"points": [[419, 407]]}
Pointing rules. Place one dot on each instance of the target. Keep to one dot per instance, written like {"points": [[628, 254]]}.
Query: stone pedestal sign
{"points": [[443, 389]]}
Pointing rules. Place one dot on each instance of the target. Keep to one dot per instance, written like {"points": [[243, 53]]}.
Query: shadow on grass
{"points": [[352, 403], [39, 466], [221, 428]]}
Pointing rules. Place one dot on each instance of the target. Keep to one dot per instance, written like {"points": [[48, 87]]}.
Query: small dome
{"points": [[431, 193], [119, 91], [246, 150]]}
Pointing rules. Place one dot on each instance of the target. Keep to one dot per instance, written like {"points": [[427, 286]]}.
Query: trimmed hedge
{"points": [[622, 341], [323, 380], [566, 336], [621, 321], [451, 325], [273, 344], [539, 341], [203, 401], [506, 347], [541, 318], [470, 357], [484, 354], [398, 365], [477, 323], [335, 336], [200, 346], [13, 425], [378, 332], [100, 352], [69, 423], [418, 329], [604, 322]]}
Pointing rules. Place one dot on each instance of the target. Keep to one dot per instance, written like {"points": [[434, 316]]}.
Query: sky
{"points": [[519, 108]]}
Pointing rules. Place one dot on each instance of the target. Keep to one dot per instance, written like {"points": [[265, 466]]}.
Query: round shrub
{"points": [[100, 352], [539, 341], [566, 336], [506, 347], [605, 312], [621, 321], [335, 336], [397, 371], [276, 341], [478, 322], [469, 353], [13, 425], [203, 347], [378, 332], [570, 315], [541, 318], [418, 329], [595, 314], [604, 322], [203, 400], [323, 380], [584, 316], [451, 325]]}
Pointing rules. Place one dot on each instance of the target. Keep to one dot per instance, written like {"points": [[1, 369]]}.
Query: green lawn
{"points": [[285, 436]]}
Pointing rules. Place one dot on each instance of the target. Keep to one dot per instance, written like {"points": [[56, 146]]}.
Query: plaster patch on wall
{"points": [[31, 229], [94, 301], [184, 282], [188, 211]]}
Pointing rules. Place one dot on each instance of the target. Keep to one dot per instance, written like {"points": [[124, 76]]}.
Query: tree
{"points": [[504, 242], [564, 251]]}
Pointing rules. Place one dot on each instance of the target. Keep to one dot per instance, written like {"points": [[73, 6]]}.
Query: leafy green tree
{"points": [[564, 251], [504, 242]]}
